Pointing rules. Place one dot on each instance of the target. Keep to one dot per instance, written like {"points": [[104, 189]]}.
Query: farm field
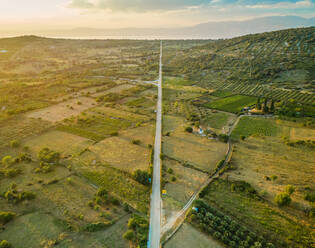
{"points": [[17, 128], [187, 236], [118, 153], [77, 126], [233, 104], [200, 152], [261, 216], [74, 127], [63, 110], [275, 158], [187, 180], [66, 143], [256, 126]]}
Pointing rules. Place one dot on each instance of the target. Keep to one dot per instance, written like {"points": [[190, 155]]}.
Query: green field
{"points": [[261, 216], [233, 104], [94, 127], [178, 81], [188, 236], [249, 126], [136, 194]]}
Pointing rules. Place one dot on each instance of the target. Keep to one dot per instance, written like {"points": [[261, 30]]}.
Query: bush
{"points": [[129, 235], [49, 156], [274, 178], [5, 217], [138, 231], [170, 171], [173, 179], [309, 197], [135, 142], [102, 192], [189, 129], [289, 189], [5, 244], [283, 199], [14, 144], [7, 160], [141, 177], [94, 227], [223, 138]]}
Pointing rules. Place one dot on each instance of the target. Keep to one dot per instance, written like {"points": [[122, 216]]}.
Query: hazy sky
{"points": [[51, 14]]}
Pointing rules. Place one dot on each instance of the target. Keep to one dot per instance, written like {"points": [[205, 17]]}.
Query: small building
{"points": [[200, 131]]}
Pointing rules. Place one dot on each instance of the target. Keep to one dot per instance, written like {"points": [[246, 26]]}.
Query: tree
{"points": [[266, 109], [272, 106], [283, 199], [189, 129], [223, 138], [258, 104]]}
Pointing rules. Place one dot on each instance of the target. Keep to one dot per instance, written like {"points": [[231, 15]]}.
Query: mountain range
{"points": [[209, 30]]}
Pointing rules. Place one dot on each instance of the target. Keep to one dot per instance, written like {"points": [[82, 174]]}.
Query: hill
{"points": [[278, 65]]}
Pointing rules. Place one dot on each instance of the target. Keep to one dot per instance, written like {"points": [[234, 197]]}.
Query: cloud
{"points": [[283, 5], [80, 4], [137, 5]]}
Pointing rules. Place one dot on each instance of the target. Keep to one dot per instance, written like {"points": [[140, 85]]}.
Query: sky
{"points": [[67, 14]]}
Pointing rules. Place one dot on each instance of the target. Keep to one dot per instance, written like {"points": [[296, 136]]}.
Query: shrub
{"points": [[14, 144], [5, 244], [283, 199], [309, 197], [94, 227], [138, 231], [7, 160], [102, 192], [135, 142], [129, 235], [141, 177], [114, 133], [170, 171], [173, 179], [5, 217], [189, 129], [289, 189], [48, 156], [274, 177], [223, 138]]}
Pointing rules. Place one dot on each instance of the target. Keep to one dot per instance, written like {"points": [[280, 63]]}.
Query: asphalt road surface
{"points": [[155, 211]]}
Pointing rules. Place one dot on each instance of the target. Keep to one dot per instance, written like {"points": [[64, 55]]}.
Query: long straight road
{"points": [[155, 211]]}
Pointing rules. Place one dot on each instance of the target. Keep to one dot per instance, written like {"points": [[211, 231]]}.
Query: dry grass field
{"points": [[201, 152], [118, 113], [116, 89], [145, 133], [258, 158], [17, 128], [63, 110], [65, 143], [200, 155], [187, 181], [118, 153]]}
